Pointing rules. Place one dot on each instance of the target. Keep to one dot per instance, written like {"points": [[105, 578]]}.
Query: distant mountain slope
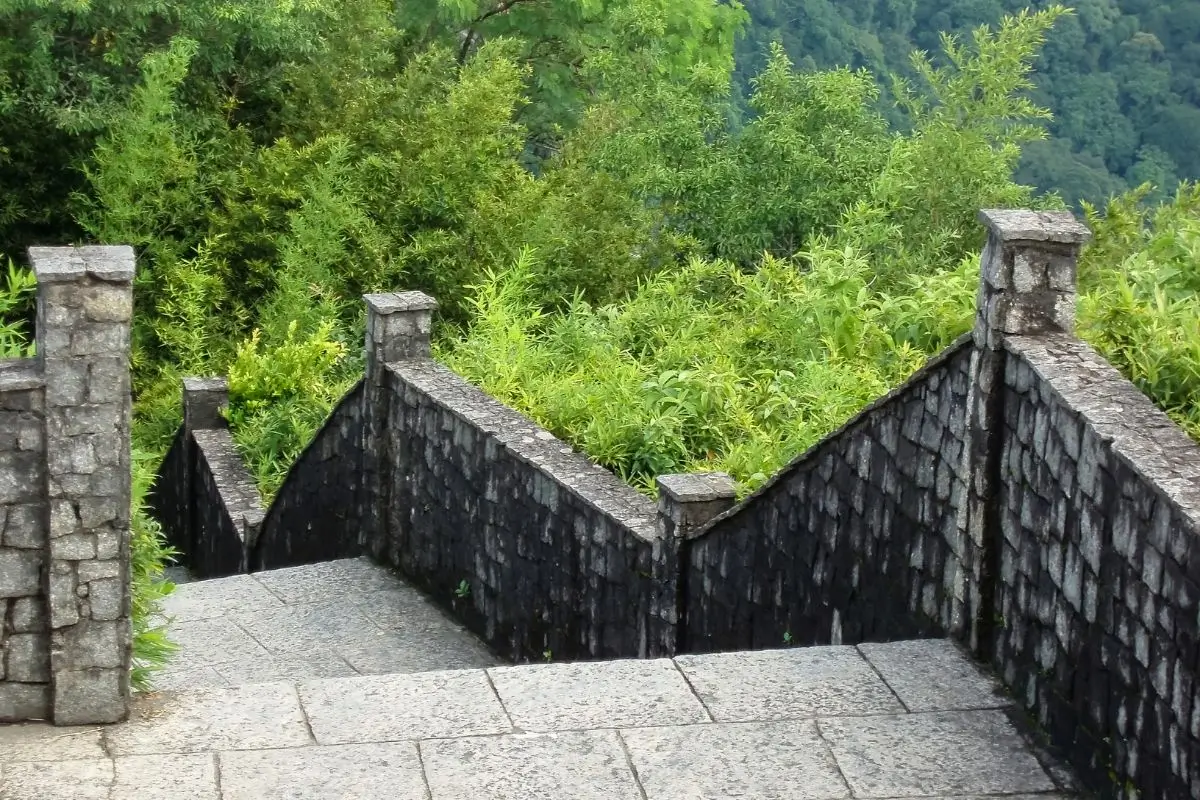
{"points": [[1121, 76]]}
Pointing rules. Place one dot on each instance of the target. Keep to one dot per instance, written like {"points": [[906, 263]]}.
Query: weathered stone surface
{"points": [[586, 765], [1035, 226], [201, 640], [96, 695], [20, 572], [451, 703], [178, 776], [384, 771], [216, 598], [922, 755], [29, 615], [27, 658], [42, 742], [934, 675], [787, 684], [765, 760], [24, 701], [556, 697], [330, 580], [55, 780], [255, 717]]}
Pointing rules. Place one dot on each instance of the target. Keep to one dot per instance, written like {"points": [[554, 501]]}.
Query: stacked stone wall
{"points": [[24, 624], [65, 483], [204, 496], [857, 540], [316, 514], [539, 550], [1099, 579]]}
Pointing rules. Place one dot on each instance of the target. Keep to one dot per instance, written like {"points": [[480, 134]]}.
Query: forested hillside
{"points": [[1121, 77], [619, 249]]}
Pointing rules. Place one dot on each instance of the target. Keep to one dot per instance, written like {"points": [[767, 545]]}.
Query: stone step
{"points": [[335, 619], [907, 719]]}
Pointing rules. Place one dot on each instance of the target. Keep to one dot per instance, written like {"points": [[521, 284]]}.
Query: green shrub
{"points": [[149, 553], [1141, 297]]}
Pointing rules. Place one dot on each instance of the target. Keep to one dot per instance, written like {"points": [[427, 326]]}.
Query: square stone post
{"points": [[203, 399], [398, 328], [85, 304], [1027, 286], [686, 503]]}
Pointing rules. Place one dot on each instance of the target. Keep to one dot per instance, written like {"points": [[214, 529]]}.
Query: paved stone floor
{"points": [[330, 620], [909, 719]]}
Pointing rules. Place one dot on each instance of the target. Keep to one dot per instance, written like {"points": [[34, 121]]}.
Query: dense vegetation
{"points": [[1122, 77], [667, 272]]}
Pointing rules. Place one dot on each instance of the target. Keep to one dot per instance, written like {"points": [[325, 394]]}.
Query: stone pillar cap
{"points": [[64, 264], [205, 385], [395, 302], [1023, 225], [697, 487]]}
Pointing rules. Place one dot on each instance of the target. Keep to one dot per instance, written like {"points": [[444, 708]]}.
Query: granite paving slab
{"points": [[934, 675], [389, 770], [935, 754], [383, 708], [200, 720], [338, 618], [784, 760], [572, 765], [458, 734], [788, 684], [615, 694]]}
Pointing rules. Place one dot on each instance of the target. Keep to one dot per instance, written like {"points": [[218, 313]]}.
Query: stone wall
{"points": [[24, 625], [856, 540], [1099, 579], [65, 483], [1016, 494], [315, 515], [538, 550], [204, 497]]}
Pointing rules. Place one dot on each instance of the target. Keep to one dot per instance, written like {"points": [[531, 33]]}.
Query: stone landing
{"points": [[908, 719], [329, 620]]}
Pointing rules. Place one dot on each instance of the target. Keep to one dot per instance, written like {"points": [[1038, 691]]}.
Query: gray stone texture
{"points": [[65, 494], [940, 754], [377, 771], [537, 549], [450, 736], [787, 684], [340, 618], [1099, 575], [422, 705], [559, 697], [856, 540]]}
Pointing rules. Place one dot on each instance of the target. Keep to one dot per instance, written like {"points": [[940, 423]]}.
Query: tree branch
{"points": [[469, 39]]}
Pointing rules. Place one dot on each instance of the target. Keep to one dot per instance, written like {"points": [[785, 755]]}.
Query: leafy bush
{"points": [[707, 367], [15, 300], [148, 553], [279, 396], [1141, 301]]}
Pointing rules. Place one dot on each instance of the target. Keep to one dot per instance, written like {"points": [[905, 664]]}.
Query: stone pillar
{"points": [[85, 304], [686, 503], [1027, 286], [203, 400], [398, 328]]}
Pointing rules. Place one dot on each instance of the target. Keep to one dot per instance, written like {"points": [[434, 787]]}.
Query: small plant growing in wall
{"points": [[463, 590], [548, 655], [788, 639]]}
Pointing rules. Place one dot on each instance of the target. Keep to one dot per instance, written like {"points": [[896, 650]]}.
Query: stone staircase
{"points": [[337, 681], [330, 620]]}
